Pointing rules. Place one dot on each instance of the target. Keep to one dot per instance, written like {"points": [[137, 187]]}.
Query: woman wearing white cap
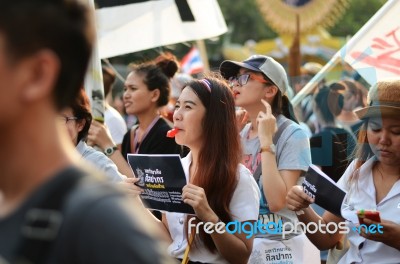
{"points": [[371, 181], [277, 152]]}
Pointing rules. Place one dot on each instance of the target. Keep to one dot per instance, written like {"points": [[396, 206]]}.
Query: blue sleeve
{"points": [[293, 150]]}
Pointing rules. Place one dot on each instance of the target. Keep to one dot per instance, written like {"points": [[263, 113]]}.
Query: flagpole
{"points": [[341, 53], [203, 54]]}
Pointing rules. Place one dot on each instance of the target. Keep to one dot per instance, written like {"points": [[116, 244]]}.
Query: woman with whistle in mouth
{"points": [[219, 188]]}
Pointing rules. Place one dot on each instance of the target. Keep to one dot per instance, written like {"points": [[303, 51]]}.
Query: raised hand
{"points": [[266, 125], [99, 135], [242, 117]]}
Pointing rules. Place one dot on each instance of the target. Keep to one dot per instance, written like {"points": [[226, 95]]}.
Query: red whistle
{"points": [[171, 133]]}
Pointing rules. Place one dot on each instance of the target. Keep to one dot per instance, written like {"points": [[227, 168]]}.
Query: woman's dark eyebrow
{"points": [[189, 102]]}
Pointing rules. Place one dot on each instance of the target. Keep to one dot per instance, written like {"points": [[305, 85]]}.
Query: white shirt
{"points": [[243, 207], [363, 196], [115, 124]]}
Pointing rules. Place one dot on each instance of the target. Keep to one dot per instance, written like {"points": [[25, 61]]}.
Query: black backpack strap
{"points": [[257, 173], [43, 222]]}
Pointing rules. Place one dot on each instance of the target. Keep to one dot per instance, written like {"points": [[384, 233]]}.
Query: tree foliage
{"points": [[358, 13], [247, 22]]}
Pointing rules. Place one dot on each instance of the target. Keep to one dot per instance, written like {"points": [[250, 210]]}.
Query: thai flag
{"points": [[191, 63]]}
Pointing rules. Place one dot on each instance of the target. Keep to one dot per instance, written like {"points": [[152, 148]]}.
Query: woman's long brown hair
{"points": [[362, 152], [220, 155]]}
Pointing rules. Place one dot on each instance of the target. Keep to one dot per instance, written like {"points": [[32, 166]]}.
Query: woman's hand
{"points": [[99, 135], [129, 186], [242, 117], [266, 125], [297, 199], [195, 197], [386, 232]]}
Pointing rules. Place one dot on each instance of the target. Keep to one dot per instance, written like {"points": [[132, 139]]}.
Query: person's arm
{"points": [[235, 248], [99, 136], [275, 183], [299, 201]]}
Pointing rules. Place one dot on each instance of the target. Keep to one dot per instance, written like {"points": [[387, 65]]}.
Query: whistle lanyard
{"points": [[136, 143]]}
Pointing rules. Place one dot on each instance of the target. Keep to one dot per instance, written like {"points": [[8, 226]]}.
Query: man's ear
{"points": [[41, 71], [270, 92], [155, 94]]}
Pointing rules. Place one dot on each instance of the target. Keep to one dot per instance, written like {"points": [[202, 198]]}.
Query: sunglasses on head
{"points": [[244, 78]]}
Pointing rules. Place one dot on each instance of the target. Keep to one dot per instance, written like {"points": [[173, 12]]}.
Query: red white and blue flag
{"points": [[191, 63]]}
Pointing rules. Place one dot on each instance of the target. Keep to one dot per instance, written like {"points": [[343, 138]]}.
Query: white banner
{"points": [[375, 54], [125, 26], [374, 51]]}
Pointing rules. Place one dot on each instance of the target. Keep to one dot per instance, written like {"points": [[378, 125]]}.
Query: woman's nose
{"points": [[177, 115], [384, 137]]}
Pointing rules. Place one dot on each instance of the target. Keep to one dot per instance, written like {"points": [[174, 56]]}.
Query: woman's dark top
{"points": [[155, 142], [331, 149]]}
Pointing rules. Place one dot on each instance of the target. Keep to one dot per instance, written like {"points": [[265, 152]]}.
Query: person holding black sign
{"points": [[372, 182], [220, 189]]}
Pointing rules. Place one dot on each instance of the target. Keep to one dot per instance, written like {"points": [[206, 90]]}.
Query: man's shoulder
{"points": [[99, 217]]}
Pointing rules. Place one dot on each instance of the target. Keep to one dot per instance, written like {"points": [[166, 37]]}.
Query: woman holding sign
{"points": [[371, 182], [276, 150], [219, 188]]}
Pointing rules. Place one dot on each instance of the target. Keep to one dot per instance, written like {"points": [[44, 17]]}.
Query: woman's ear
{"points": [[270, 92], [155, 94], [80, 124]]}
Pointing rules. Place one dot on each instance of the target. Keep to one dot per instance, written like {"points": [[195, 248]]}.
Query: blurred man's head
{"points": [[45, 46]]}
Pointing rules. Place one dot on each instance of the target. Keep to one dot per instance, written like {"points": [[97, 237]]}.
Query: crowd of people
{"points": [[68, 194]]}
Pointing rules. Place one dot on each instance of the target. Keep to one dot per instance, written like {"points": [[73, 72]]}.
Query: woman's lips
{"points": [[384, 153]]}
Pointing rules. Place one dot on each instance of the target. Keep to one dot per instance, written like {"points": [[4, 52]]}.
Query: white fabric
{"points": [[372, 50], [115, 124], [100, 161], [295, 250], [363, 196], [151, 22], [244, 206]]}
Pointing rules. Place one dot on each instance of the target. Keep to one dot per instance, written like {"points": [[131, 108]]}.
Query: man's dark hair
{"points": [[81, 109], [62, 26]]}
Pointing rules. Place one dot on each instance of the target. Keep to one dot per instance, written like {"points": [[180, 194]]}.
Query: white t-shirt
{"points": [[363, 196], [244, 206], [115, 124]]}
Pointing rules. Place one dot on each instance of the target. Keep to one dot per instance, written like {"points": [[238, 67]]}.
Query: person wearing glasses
{"points": [[276, 150], [77, 119]]}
